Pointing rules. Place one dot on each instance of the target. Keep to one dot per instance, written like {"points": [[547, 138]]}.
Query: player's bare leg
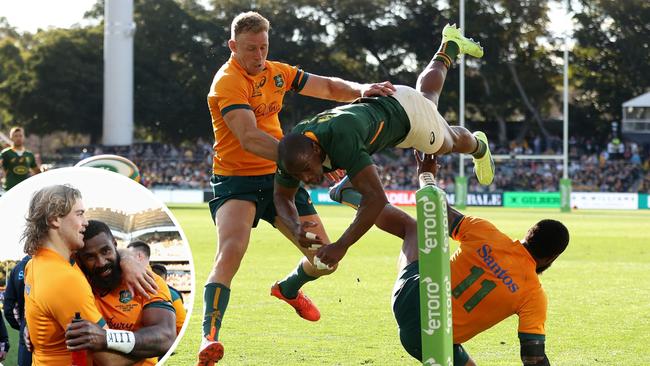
{"points": [[288, 289], [430, 83], [234, 221]]}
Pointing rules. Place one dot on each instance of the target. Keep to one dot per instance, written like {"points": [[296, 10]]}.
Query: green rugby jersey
{"points": [[350, 134], [16, 166]]}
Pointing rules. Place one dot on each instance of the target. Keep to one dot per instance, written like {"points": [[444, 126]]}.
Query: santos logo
{"points": [[434, 306], [431, 225]]}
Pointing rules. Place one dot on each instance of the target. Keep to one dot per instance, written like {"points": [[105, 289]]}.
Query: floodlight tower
{"points": [[118, 72], [460, 200], [565, 181]]}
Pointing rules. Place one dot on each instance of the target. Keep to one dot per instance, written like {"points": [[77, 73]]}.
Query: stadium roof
{"points": [[127, 223], [640, 101]]}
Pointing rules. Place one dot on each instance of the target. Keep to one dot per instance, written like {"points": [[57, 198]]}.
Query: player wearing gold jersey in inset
{"points": [[492, 275], [147, 323], [245, 98], [177, 297], [55, 287]]}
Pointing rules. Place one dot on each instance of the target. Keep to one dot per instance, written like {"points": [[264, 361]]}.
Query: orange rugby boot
{"points": [[210, 353], [303, 305]]}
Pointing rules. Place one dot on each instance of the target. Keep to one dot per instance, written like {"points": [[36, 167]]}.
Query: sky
{"points": [[30, 15], [22, 15]]}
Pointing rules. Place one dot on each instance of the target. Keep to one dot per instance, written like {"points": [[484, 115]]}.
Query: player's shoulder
{"points": [[279, 65], [56, 278], [6, 150], [176, 295], [478, 227], [533, 294], [228, 75], [283, 74], [163, 289]]}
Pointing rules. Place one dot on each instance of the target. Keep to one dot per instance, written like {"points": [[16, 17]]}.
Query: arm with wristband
{"points": [[532, 352], [153, 339]]}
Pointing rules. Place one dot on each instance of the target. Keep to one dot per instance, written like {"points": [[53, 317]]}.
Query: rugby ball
{"points": [[113, 163]]}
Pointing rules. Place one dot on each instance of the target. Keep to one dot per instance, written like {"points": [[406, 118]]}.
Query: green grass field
{"points": [[598, 296]]}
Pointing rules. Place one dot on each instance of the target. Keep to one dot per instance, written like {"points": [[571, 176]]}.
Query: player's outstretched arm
{"points": [[532, 352], [332, 88], [373, 201], [285, 206], [243, 125]]}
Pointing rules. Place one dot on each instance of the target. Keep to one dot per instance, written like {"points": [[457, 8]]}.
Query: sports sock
{"points": [[215, 302], [447, 53], [294, 281], [481, 148]]}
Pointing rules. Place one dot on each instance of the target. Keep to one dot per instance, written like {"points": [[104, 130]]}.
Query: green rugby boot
{"points": [[465, 45], [484, 166]]}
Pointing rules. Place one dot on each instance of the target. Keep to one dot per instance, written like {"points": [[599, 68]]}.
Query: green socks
{"points": [[215, 302], [294, 281], [447, 53]]}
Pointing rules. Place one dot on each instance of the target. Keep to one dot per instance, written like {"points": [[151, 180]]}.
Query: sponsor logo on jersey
{"points": [[279, 81], [500, 272], [119, 325], [324, 117], [20, 170], [125, 296], [257, 87]]}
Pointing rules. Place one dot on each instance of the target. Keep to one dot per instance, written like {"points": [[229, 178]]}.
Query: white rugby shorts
{"points": [[427, 125]]}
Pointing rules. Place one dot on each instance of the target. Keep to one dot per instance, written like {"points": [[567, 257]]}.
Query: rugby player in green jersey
{"points": [[17, 162], [345, 137]]}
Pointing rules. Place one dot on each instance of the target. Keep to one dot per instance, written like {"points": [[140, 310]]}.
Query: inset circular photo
{"points": [[97, 269]]}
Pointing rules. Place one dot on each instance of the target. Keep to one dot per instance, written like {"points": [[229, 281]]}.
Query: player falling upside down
{"points": [[345, 137], [492, 276], [245, 98]]}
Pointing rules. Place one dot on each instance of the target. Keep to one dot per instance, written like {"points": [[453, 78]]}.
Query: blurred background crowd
{"points": [[613, 166]]}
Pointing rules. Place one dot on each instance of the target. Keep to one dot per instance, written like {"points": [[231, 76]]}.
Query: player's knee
{"points": [[229, 256], [446, 147]]}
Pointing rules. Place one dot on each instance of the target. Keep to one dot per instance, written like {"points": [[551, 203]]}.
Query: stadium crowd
{"points": [[592, 168], [618, 166]]}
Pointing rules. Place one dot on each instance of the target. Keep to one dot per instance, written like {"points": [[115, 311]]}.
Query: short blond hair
{"points": [[47, 204], [249, 21], [14, 129]]}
